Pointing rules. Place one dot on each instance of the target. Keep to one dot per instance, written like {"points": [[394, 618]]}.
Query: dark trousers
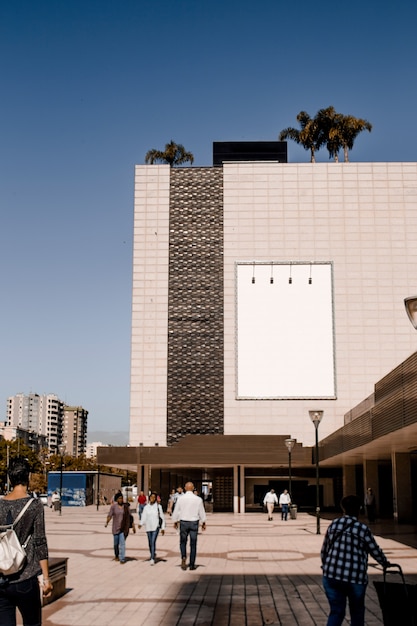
{"points": [[337, 593], [26, 597], [188, 529]]}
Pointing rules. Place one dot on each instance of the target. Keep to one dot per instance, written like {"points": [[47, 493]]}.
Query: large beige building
{"points": [[263, 290]]}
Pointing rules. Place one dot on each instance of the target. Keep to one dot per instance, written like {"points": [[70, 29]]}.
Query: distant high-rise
{"points": [[47, 415], [74, 433]]}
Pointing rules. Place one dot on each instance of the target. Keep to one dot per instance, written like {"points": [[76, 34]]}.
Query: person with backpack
{"points": [[21, 589]]}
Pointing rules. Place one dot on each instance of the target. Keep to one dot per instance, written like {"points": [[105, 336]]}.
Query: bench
{"points": [[58, 568]]}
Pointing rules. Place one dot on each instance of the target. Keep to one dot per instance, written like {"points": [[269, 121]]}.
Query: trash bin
{"points": [[293, 511]]}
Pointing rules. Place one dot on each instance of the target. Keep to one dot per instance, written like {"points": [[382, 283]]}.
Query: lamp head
{"points": [[289, 443], [316, 417], [61, 449], [411, 308]]}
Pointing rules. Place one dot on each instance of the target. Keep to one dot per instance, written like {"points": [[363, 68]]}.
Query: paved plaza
{"points": [[250, 572]]}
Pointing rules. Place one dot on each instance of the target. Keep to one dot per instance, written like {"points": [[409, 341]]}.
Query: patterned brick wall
{"points": [[195, 304]]}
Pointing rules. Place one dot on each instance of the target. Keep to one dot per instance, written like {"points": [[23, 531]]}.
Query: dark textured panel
{"points": [[388, 415], [212, 450], [331, 445], [410, 390], [389, 383], [358, 432], [195, 305], [395, 407]]}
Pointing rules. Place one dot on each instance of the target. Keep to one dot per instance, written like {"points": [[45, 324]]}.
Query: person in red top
{"points": [[142, 500]]}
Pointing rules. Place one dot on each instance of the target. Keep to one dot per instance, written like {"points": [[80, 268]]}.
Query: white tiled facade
{"points": [[362, 217], [149, 306]]}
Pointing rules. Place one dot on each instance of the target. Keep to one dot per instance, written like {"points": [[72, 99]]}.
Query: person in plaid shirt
{"points": [[344, 557]]}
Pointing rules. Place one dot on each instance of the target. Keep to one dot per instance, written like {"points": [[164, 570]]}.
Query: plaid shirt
{"points": [[344, 554]]}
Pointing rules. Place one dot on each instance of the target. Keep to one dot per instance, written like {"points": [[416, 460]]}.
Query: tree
{"points": [[12, 449], [308, 136], [329, 123], [348, 129], [334, 130], [174, 154]]}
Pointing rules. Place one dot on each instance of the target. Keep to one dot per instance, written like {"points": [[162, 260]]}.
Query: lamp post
{"points": [[61, 450], [98, 487], [316, 417], [289, 444], [8, 461]]}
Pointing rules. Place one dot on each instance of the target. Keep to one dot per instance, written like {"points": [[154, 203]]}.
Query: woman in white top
{"points": [[154, 521]]}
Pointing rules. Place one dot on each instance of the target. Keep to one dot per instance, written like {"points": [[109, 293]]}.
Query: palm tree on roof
{"points": [[308, 136], [174, 154]]}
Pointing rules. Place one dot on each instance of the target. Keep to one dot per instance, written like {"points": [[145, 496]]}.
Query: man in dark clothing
{"points": [[344, 557]]}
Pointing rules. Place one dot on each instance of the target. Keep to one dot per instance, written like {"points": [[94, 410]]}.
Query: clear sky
{"points": [[88, 86]]}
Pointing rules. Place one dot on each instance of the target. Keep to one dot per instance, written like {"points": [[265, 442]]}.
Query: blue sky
{"points": [[88, 86]]}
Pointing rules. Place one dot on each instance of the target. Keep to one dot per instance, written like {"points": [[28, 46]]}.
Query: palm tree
{"points": [[174, 154], [349, 128], [309, 136], [335, 130], [329, 123], [340, 131]]}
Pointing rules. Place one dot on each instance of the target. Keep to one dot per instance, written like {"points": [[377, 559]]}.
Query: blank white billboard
{"points": [[285, 331]]}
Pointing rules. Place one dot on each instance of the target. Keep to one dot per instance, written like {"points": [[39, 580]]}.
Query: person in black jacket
{"points": [[21, 590]]}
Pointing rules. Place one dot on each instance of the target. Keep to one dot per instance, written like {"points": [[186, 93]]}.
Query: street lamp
{"points": [[289, 444], [316, 417], [61, 450], [411, 308], [98, 487]]}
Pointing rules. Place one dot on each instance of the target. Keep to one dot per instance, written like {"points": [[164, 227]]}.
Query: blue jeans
{"points": [[152, 535], [188, 529], [284, 512], [119, 546], [337, 593], [26, 597]]}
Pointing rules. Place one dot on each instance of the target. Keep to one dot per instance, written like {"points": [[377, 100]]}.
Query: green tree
{"points": [[11, 449], [334, 130], [348, 129], [174, 154], [328, 121], [308, 135]]}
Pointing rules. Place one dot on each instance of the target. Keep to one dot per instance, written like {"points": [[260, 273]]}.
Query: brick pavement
{"points": [[250, 572]]}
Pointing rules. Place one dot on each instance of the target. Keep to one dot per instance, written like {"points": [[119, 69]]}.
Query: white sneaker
{"points": [[152, 562]]}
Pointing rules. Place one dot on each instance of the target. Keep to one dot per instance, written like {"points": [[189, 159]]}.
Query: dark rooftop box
{"points": [[249, 151]]}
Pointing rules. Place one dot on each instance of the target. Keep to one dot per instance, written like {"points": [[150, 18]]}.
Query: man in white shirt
{"points": [[188, 512], [270, 501], [284, 503]]}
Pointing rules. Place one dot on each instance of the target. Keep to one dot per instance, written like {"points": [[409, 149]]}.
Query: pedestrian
{"points": [[154, 521], [178, 494], [122, 520], [171, 502], [188, 512], [270, 501], [284, 503], [370, 505], [21, 590], [344, 557], [56, 501], [142, 500]]}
